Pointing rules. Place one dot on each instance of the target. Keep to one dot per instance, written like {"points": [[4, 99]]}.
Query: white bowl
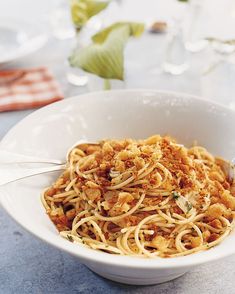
{"points": [[50, 131]]}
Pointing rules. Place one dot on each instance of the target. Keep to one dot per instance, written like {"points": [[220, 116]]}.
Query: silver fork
{"points": [[14, 167], [10, 176], [8, 159]]}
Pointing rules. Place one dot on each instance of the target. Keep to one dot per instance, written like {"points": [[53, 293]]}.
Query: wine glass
{"points": [[193, 40], [176, 57]]}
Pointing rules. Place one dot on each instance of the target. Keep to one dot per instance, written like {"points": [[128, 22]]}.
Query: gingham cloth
{"points": [[27, 88]]}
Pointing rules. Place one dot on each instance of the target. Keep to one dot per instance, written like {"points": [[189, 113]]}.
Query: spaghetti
{"points": [[147, 198]]}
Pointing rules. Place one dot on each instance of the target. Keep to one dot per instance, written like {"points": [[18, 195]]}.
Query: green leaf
{"points": [[83, 10], [106, 59], [136, 30], [175, 195], [183, 204]]}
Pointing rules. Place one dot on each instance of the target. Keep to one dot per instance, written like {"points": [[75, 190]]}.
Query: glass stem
{"points": [[107, 84]]}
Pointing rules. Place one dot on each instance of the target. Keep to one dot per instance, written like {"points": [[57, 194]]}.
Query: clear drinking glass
{"points": [[218, 77], [194, 41], [76, 76], [60, 20], [176, 57], [83, 33]]}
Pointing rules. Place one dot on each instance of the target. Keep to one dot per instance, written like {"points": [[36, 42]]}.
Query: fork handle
{"points": [[9, 176], [9, 157]]}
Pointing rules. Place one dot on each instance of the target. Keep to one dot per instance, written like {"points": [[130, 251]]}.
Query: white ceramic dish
{"points": [[18, 39], [50, 131]]}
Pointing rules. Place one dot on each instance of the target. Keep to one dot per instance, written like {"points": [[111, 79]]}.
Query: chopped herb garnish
{"points": [[70, 238], [189, 206], [175, 195]]}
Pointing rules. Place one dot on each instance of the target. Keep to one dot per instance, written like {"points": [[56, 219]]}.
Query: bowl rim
{"points": [[91, 255]]}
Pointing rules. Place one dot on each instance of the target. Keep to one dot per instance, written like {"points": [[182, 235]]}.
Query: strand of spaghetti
{"points": [[81, 222], [77, 153], [79, 173], [225, 221], [47, 207], [156, 207], [204, 247], [127, 181], [70, 185], [126, 235], [133, 189], [99, 245], [164, 229], [97, 228], [71, 199], [78, 216], [91, 171], [85, 162], [161, 205], [99, 205], [176, 215], [119, 217], [68, 235], [176, 230], [53, 207], [58, 183], [159, 180], [178, 240], [147, 172], [71, 171], [120, 247], [163, 225], [136, 235], [212, 229], [140, 182], [196, 228], [164, 202], [125, 239], [105, 226], [199, 217], [93, 205], [158, 192], [65, 194], [76, 190], [122, 176], [58, 200], [122, 184], [165, 171], [172, 220], [108, 248]]}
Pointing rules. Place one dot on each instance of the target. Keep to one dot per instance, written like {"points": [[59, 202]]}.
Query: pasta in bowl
{"points": [[51, 131], [147, 198]]}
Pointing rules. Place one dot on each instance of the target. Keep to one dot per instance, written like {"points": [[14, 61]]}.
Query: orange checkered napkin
{"points": [[27, 88]]}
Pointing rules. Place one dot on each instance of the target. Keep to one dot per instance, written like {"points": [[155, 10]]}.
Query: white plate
{"points": [[18, 39], [50, 131]]}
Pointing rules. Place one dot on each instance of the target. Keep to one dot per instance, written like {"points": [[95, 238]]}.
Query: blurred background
{"points": [[187, 46], [145, 56]]}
